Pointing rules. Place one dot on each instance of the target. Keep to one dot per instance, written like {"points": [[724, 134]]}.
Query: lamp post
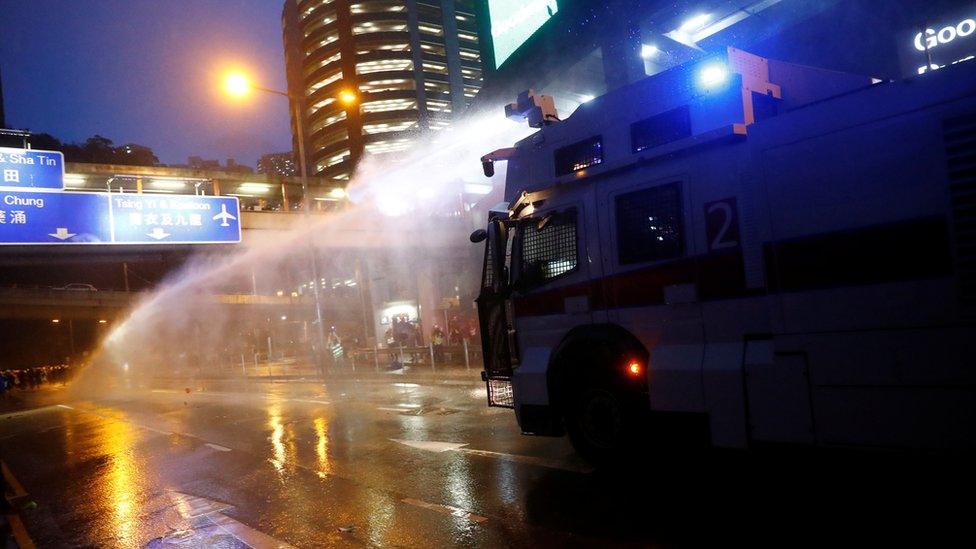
{"points": [[238, 85]]}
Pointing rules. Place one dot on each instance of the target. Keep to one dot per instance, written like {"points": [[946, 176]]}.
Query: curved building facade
{"points": [[410, 66]]}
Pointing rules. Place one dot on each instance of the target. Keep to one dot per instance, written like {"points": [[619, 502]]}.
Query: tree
{"points": [[45, 142], [97, 149], [132, 154]]}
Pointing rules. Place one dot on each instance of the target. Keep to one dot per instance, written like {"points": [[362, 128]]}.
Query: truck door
{"points": [[494, 314], [652, 290], [777, 394]]}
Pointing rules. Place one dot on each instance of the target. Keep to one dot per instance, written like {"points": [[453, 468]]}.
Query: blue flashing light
{"points": [[713, 75]]}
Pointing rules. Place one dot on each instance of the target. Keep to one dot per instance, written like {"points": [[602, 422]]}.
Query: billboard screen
{"points": [[514, 21], [945, 40]]}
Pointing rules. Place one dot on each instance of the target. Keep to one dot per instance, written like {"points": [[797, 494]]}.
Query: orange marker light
{"points": [[348, 97], [634, 368]]}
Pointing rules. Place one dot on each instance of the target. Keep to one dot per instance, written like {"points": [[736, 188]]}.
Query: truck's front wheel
{"points": [[603, 423]]}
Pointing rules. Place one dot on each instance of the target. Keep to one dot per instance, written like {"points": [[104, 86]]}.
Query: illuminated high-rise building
{"points": [[282, 163], [373, 74]]}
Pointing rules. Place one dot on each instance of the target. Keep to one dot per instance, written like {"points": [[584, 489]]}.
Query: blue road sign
{"points": [[30, 169], [54, 218], [40, 218], [167, 219]]}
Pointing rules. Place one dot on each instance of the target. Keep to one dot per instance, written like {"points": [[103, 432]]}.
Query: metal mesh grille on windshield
{"points": [[500, 393], [551, 251]]}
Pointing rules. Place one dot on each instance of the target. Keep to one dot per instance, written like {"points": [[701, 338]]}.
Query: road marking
{"points": [[438, 447], [20, 533], [430, 445], [129, 421], [218, 447], [446, 510], [387, 409], [11, 480], [192, 507], [311, 401], [531, 460], [32, 411], [167, 433]]}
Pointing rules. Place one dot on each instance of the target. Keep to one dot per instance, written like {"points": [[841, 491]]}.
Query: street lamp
{"points": [[239, 85], [348, 97]]}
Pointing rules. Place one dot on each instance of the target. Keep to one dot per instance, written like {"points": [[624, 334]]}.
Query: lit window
{"points": [[315, 66], [324, 82], [389, 105], [579, 156], [430, 30], [387, 146], [387, 127], [384, 65], [323, 103], [338, 117], [435, 67], [650, 224]]}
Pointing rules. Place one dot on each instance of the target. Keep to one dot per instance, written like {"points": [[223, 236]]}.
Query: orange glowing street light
{"points": [[237, 85], [348, 97]]}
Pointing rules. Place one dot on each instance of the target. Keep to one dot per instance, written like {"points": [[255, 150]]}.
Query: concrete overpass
{"points": [[257, 192], [81, 304]]}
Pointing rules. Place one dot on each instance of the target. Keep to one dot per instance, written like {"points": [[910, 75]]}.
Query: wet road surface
{"points": [[404, 462]]}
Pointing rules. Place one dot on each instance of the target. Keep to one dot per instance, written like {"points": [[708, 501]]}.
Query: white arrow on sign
{"points": [[158, 233], [61, 233]]}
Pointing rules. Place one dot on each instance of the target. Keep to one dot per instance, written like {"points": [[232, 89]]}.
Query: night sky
{"points": [[146, 72]]}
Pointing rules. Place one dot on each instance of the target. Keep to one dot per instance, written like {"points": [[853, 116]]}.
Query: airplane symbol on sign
{"points": [[223, 216]]}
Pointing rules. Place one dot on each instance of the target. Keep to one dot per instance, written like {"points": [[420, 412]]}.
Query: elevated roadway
{"points": [[50, 303]]}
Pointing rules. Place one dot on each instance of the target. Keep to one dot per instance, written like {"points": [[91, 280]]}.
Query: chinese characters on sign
{"points": [[17, 217], [191, 220]]}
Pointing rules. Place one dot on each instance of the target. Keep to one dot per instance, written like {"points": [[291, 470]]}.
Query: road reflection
{"points": [[114, 439], [322, 446], [277, 434]]}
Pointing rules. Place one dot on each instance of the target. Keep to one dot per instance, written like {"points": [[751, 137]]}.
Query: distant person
{"points": [[437, 339], [395, 363]]}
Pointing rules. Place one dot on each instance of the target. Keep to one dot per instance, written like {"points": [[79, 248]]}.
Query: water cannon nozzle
{"points": [[538, 110]]}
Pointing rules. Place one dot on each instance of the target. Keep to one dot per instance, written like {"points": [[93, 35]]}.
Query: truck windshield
{"points": [[548, 248]]}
